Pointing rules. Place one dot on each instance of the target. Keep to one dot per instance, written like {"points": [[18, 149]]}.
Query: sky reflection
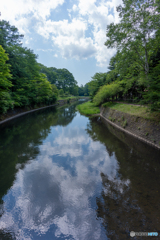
{"points": [[54, 195]]}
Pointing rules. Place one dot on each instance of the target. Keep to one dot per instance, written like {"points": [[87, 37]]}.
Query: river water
{"points": [[67, 176]]}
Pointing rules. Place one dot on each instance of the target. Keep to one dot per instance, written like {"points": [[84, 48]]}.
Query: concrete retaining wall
{"points": [[22, 111], [142, 129]]}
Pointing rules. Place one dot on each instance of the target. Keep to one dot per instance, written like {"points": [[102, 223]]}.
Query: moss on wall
{"points": [[143, 128]]}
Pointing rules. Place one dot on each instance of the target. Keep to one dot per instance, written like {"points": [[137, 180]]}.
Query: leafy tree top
{"points": [[5, 84], [137, 31], [9, 35]]}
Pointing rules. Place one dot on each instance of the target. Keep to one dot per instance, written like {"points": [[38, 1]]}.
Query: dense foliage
{"points": [[24, 81], [21, 82], [5, 83], [134, 70], [62, 78], [83, 90]]}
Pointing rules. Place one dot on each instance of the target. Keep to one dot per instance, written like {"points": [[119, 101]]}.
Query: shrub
{"points": [[108, 104], [61, 92], [5, 83], [106, 92]]}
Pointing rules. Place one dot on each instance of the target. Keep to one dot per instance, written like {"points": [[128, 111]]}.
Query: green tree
{"points": [[86, 90], [97, 81], [50, 73], [75, 91], [44, 87], [65, 80], [136, 31], [31, 83], [106, 92], [81, 90], [5, 83], [61, 92], [127, 71], [152, 93], [62, 78], [54, 90], [23, 65], [9, 35]]}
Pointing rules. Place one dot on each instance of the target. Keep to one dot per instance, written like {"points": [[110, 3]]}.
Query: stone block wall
{"points": [[62, 102], [138, 126]]}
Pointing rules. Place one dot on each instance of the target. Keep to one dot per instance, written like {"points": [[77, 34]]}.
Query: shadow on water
{"points": [[21, 137], [129, 201], [46, 178], [88, 181]]}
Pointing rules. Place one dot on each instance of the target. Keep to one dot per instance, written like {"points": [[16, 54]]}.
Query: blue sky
{"points": [[65, 33]]}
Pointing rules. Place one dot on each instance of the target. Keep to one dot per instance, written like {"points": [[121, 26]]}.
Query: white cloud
{"points": [[57, 195], [99, 17], [22, 12], [70, 37], [73, 48], [47, 193], [75, 29], [74, 8], [45, 50], [67, 143]]}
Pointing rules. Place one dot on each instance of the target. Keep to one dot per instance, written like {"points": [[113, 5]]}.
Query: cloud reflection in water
{"points": [[54, 195]]}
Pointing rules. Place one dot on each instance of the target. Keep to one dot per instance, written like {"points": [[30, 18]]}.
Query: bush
{"points": [[61, 92], [106, 92], [108, 104], [152, 93], [5, 83]]}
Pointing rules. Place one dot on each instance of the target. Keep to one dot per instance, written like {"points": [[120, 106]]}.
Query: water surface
{"points": [[65, 176]]}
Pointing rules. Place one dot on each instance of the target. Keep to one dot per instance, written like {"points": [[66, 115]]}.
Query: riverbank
{"points": [[134, 109], [88, 108], [133, 120], [18, 112]]}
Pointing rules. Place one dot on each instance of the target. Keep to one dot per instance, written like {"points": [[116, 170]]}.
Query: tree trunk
{"points": [[146, 59]]}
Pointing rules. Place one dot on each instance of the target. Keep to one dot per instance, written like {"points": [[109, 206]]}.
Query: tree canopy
{"points": [[137, 31], [5, 83], [134, 70], [24, 81]]}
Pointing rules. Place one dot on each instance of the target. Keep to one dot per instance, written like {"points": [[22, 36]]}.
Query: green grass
{"points": [[140, 111], [70, 97], [88, 108], [108, 104], [66, 97]]}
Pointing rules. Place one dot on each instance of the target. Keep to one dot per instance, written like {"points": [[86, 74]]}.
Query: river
{"points": [[67, 176]]}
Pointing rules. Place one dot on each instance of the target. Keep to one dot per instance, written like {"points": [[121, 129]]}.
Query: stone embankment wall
{"points": [[65, 101], [18, 112], [142, 129], [61, 102]]}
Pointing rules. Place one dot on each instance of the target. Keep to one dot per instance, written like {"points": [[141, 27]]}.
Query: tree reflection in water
{"points": [[130, 201], [20, 140], [61, 182]]}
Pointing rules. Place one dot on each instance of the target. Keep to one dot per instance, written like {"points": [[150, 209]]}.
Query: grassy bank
{"points": [[88, 108], [70, 97], [67, 97], [140, 111]]}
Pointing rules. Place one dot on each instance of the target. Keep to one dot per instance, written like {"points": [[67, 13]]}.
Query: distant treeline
{"points": [[134, 71], [24, 81], [64, 81]]}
